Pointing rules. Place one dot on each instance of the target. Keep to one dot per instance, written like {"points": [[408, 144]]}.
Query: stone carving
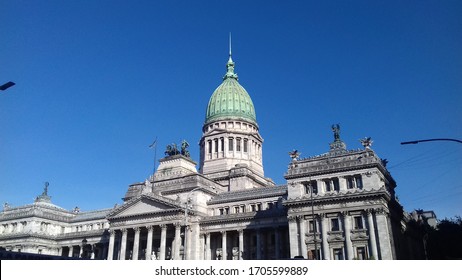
{"points": [[294, 155], [366, 142], [336, 130], [172, 149]]}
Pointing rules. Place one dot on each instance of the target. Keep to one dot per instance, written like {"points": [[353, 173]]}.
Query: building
{"points": [[338, 205]]}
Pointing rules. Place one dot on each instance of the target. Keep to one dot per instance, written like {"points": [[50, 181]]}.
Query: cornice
{"points": [[337, 197]]}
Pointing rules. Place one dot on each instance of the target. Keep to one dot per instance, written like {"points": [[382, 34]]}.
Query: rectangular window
{"points": [[242, 208], [210, 146], [245, 145], [335, 226], [361, 253], [336, 184], [328, 185], [259, 207], [350, 182], [253, 207], [216, 145], [222, 140], [226, 210], [231, 144], [222, 211], [338, 254], [358, 222], [238, 144], [359, 182], [236, 209], [311, 226], [309, 185]]}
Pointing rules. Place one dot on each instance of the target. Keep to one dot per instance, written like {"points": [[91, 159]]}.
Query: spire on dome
{"points": [[230, 65]]}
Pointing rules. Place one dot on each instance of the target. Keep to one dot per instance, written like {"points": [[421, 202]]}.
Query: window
{"points": [[236, 209], [328, 185], [259, 207], [238, 144], [222, 211], [226, 210], [350, 182], [245, 145], [336, 184], [231, 144], [216, 145], [358, 220], [243, 208], [313, 256], [338, 254], [335, 226], [253, 207], [222, 140], [210, 146], [359, 182], [361, 253], [312, 226], [309, 185]]}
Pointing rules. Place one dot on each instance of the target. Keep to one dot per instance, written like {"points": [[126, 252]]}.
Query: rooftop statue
{"points": [[336, 130], [173, 150], [366, 142]]}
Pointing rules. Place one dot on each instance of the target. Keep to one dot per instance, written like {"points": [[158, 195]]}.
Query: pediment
{"points": [[143, 205]]}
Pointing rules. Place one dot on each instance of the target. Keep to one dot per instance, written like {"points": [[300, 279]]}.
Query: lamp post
{"points": [[429, 140], [186, 235], [7, 85], [314, 221], [84, 243]]}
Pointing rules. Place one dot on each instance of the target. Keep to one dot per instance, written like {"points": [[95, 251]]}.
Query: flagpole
{"points": [[154, 145]]}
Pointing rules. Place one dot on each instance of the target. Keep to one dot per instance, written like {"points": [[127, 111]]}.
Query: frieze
{"points": [[333, 236], [359, 234]]}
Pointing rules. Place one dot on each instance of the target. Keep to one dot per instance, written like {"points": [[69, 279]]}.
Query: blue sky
{"points": [[98, 81]]}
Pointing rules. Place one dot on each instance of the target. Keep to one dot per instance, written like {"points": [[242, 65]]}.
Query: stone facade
{"points": [[339, 205]]}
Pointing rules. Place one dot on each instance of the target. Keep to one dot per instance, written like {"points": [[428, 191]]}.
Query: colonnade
{"points": [[161, 242], [259, 243], [302, 238]]}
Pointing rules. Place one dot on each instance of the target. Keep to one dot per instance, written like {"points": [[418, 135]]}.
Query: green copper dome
{"points": [[230, 100]]}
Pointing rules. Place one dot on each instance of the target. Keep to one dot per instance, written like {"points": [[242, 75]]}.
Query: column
{"points": [[277, 246], [384, 234], [208, 255], [347, 226], [293, 236], [373, 241], [343, 184], [223, 246], [149, 242], [187, 240], [241, 243], [219, 148], [163, 241], [325, 243], [104, 253], [92, 254], [136, 243], [302, 222], [71, 251], [123, 246], [258, 244], [176, 254]]}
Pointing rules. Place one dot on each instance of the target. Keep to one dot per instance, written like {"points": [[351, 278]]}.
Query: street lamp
{"points": [[7, 85], [429, 140], [314, 220], [84, 243], [186, 235]]}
